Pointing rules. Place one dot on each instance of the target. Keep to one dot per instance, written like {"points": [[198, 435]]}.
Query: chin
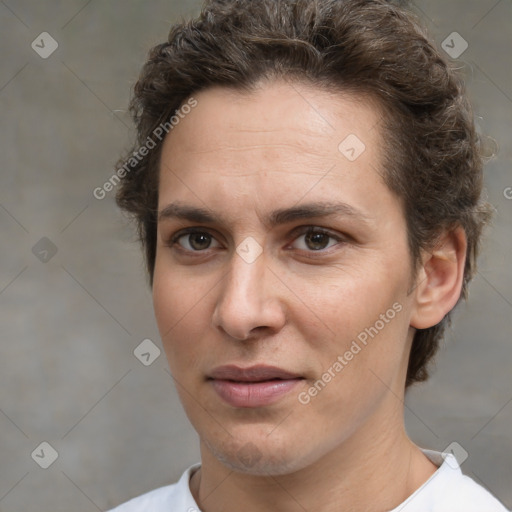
{"points": [[261, 457]]}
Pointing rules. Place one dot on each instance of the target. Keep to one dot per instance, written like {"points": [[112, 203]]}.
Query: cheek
{"points": [[343, 302], [362, 319], [181, 312], [165, 301], [373, 360], [357, 377], [178, 293]]}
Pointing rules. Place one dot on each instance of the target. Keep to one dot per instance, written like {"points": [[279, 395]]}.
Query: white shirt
{"points": [[447, 490]]}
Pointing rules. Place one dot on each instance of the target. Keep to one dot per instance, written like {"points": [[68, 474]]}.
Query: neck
{"points": [[372, 463]]}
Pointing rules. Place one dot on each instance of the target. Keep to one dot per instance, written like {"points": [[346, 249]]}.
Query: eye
{"points": [[316, 239], [194, 240]]}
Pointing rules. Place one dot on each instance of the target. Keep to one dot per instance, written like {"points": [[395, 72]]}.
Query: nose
{"points": [[249, 303]]}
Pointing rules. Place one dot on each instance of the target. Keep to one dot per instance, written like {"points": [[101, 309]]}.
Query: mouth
{"points": [[256, 386], [259, 373]]}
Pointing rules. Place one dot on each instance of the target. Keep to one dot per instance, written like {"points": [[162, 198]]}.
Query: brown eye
{"points": [[199, 241], [195, 241], [317, 241]]}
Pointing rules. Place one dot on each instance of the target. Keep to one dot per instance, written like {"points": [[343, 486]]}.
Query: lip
{"points": [[257, 373], [255, 386]]}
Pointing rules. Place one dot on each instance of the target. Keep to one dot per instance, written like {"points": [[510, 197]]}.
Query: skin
{"points": [[241, 156]]}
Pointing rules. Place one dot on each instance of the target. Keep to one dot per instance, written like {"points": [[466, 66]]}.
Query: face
{"points": [[282, 274]]}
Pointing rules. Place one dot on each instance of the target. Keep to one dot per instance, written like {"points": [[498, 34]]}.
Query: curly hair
{"points": [[433, 155]]}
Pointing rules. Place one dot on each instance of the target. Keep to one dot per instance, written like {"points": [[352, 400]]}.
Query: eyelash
{"points": [[305, 230]]}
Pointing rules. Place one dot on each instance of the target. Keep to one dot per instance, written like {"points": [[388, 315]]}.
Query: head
{"points": [[291, 105]]}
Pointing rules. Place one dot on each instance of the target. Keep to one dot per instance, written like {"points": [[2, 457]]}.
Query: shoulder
{"points": [[448, 490], [156, 500], [171, 497], [467, 495]]}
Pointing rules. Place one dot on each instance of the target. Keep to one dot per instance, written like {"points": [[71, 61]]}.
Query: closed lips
{"points": [[252, 374], [257, 386]]}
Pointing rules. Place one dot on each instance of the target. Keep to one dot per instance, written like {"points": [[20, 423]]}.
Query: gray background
{"points": [[68, 375]]}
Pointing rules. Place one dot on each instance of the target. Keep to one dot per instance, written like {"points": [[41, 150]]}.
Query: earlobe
{"points": [[439, 280]]}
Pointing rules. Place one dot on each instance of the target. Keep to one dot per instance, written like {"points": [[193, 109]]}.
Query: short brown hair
{"points": [[433, 154]]}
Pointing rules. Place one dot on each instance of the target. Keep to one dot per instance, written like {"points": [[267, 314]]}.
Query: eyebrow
{"points": [[275, 218]]}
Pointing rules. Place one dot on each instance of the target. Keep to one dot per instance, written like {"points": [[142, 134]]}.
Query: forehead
{"points": [[276, 112], [283, 136]]}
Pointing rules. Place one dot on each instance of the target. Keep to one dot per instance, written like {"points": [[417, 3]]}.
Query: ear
{"points": [[439, 280]]}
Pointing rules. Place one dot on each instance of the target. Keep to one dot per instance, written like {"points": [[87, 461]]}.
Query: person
{"points": [[307, 186]]}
